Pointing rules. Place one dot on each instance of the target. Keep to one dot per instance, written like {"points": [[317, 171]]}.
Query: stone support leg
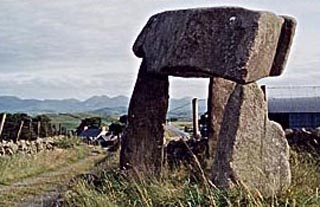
{"points": [[251, 149], [142, 142], [219, 92]]}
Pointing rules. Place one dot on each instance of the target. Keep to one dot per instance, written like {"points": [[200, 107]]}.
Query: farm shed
{"points": [[92, 134], [295, 106]]}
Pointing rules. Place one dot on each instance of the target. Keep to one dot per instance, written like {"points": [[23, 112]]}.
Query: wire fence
{"points": [[185, 105]]}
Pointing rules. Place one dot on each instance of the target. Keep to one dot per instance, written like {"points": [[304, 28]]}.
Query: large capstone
{"points": [[287, 32], [251, 150], [228, 42]]}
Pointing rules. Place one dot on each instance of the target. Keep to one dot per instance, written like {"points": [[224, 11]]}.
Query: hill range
{"points": [[100, 105], [115, 106]]}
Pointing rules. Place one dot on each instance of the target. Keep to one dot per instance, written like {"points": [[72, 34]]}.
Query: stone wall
{"points": [[8, 148]]}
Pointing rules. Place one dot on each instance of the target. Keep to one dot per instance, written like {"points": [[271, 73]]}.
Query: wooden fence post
{"points": [[195, 117], [60, 129], [31, 130], [38, 129], [4, 116], [20, 129]]}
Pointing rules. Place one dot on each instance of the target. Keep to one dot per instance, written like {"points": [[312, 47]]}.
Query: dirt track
{"points": [[43, 189]]}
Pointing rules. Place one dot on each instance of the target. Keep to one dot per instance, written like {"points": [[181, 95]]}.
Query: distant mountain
{"points": [[98, 102], [13, 104], [104, 105], [182, 108], [100, 105], [117, 111]]}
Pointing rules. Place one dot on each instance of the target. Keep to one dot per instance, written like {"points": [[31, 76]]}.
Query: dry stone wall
{"points": [[8, 148]]}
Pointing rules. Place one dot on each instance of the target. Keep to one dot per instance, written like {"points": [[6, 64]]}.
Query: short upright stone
{"points": [[251, 149], [219, 93]]}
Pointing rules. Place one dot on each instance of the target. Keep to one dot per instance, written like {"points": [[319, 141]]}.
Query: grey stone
{"points": [[142, 142], [39, 145], [229, 42], [283, 48], [316, 132], [2, 151], [251, 149], [8, 151], [14, 147], [22, 145], [219, 92]]}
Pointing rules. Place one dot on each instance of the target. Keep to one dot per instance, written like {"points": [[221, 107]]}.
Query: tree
{"points": [[91, 123]]}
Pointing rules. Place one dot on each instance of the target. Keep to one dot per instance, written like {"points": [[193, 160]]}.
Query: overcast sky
{"points": [[80, 48]]}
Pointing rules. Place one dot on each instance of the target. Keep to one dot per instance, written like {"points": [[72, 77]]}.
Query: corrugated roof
{"points": [[293, 91], [90, 133], [294, 105], [293, 99]]}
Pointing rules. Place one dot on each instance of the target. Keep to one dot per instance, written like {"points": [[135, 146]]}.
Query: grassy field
{"points": [[181, 124], [19, 166], [176, 189], [72, 121]]}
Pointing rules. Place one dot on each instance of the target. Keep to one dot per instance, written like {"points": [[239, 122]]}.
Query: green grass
{"points": [[45, 171], [20, 166], [176, 189], [72, 121]]}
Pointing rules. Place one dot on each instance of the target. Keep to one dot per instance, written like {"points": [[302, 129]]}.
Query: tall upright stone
{"points": [[251, 149], [142, 141]]}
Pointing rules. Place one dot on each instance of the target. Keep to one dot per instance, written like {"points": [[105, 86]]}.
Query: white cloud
{"points": [[79, 48]]}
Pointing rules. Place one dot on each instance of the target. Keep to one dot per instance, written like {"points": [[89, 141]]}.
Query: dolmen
{"points": [[234, 47]]}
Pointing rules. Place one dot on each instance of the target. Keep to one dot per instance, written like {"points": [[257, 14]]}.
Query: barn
{"points": [[92, 134], [294, 106]]}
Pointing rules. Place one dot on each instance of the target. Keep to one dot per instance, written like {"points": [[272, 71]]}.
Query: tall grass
{"points": [[176, 189]]}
